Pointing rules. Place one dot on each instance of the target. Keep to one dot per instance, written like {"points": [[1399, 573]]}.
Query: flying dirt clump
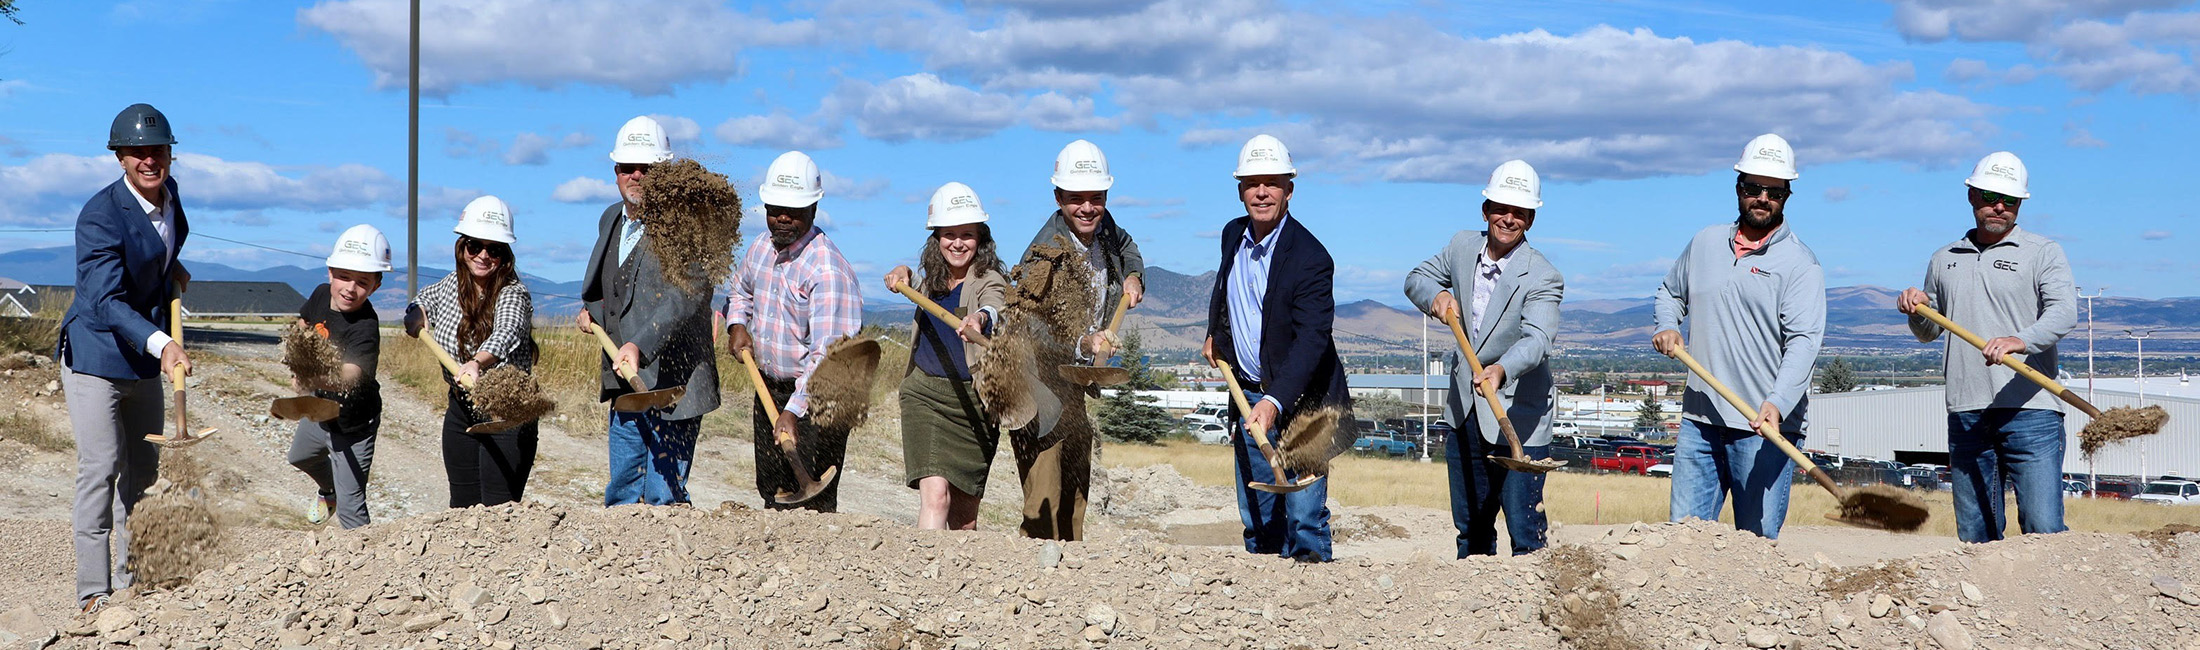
{"points": [[511, 395], [1311, 440], [2120, 423], [840, 388], [173, 532], [1884, 506], [694, 223], [313, 359]]}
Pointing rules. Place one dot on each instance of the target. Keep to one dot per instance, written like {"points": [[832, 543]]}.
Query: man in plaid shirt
{"points": [[792, 296]]}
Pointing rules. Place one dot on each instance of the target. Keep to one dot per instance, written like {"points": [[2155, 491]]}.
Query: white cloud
{"points": [[238, 185], [646, 47], [528, 149], [585, 189], [2155, 235], [2080, 137], [2144, 45], [49, 190], [842, 187], [776, 131], [9, 87], [679, 129], [922, 106], [1837, 194]]}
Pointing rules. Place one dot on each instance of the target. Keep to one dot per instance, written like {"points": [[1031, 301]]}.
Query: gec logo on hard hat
{"points": [[1086, 166], [1516, 183], [1769, 153], [640, 138], [789, 181], [353, 246], [1261, 153], [2004, 171], [962, 202], [495, 217]]}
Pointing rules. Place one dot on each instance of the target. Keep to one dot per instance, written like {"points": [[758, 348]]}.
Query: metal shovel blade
{"points": [[810, 486], [648, 400], [305, 407], [1280, 488], [492, 426], [183, 437], [1102, 376], [1529, 465]]}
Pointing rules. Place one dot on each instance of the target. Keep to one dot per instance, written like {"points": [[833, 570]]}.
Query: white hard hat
{"points": [[642, 141], [486, 218], [1082, 168], [1264, 155], [1768, 155], [792, 181], [954, 204], [1515, 184], [361, 248], [2002, 173]]}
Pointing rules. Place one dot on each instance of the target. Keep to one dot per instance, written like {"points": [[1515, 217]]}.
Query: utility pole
{"points": [[412, 163], [2141, 338], [1424, 387], [2097, 291]]}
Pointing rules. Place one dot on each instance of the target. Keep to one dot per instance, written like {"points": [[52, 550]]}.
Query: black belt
{"points": [[1249, 385]]}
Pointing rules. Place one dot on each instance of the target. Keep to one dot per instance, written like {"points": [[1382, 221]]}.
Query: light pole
{"points": [[1424, 387], [2141, 338], [2097, 291]]}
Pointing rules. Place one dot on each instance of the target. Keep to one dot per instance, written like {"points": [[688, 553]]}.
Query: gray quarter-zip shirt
{"points": [[2021, 287], [1755, 322]]}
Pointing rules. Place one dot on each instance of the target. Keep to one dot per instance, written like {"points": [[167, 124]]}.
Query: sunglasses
{"points": [[630, 168], [1747, 189], [1997, 197], [476, 246]]}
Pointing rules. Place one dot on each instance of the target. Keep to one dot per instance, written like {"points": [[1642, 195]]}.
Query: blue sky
{"points": [[293, 119]]}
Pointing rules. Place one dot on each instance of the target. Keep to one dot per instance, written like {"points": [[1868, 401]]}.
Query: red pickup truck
{"points": [[1635, 459]]}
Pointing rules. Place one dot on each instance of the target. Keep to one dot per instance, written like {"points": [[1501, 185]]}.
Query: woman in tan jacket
{"points": [[948, 441]]}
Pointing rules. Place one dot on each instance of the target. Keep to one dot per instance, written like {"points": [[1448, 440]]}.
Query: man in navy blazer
{"points": [[127, 240], [1270, 316]]}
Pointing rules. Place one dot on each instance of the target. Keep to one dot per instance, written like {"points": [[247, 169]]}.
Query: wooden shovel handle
{"points": [[175, 331], [612, 350], [427, 335], [763, 390], [932, 308], [1260, 435], [1121, 306], [2010, 360], [1489, 393], [1769, 433]]}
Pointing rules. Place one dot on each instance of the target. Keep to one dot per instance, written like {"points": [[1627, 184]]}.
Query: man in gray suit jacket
{"points": [[664, 332], [1511, 317]]}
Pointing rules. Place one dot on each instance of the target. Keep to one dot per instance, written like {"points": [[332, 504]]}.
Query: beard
{"points": [[1770, 222], [784, 238]]}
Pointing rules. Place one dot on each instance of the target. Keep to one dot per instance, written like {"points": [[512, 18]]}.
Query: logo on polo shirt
{"points": [[2006, 265], [1760, 272]]}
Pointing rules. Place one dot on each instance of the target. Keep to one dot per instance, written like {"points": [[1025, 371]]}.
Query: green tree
{"points": [[1836, 377], [7, 10], [1125, 415], [1649, 413]]}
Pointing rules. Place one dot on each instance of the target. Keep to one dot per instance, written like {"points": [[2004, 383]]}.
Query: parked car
{"points": [[1212, 434], [1384, 444], [1664, 470], [2115, 489], [2171, 493], [1565, 429], [1628, 459], [1922, 478], [2073, 489], [1207, 414]]}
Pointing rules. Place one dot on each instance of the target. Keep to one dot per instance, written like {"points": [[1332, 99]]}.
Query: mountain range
{"points": [[1174, 314]]}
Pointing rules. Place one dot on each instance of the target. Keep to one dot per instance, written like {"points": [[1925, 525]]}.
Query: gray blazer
{"points": [[1517, 332], [634, 304]]}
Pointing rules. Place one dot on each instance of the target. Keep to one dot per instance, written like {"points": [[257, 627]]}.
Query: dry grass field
{"points": [[1581, 498]]}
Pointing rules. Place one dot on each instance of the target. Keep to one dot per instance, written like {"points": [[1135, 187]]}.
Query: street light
{"points": [[2097, 291], [2141, 338]]}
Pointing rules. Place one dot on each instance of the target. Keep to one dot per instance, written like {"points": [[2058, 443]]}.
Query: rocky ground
{"points": [[1161, 568]]}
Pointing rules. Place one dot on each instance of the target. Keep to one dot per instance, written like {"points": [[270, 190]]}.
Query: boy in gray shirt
{"points": [[2013, 287], [1755, 303]]}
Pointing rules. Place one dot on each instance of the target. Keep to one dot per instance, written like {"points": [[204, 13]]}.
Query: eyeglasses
{"points": [[1991, 198], [476, 246], [1746, 189], [630, 168]]}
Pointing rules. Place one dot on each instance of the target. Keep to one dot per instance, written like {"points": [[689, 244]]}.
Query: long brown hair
{"points": [[474, 300], [937, 273]]}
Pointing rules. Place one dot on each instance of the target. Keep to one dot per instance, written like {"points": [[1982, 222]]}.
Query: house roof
{"points": [[212, 298]]}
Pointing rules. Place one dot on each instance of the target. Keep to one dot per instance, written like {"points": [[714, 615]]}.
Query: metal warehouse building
{"points": [[1911, 425]]}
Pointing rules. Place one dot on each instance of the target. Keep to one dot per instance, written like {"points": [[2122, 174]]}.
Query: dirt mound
{"points": [[694, 219], [1151, 491], [313, 359]]}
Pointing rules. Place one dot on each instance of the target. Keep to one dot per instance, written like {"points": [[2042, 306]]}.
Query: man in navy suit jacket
{"points": [[127, 239], [1270, 316]]}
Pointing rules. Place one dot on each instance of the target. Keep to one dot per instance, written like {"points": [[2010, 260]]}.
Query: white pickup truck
{"points": [[1206, 414], [2182, 493]]}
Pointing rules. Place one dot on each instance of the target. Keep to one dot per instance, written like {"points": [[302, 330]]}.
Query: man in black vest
{"points": [[663, 331]]}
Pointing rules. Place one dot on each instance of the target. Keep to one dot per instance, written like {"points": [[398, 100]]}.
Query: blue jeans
{"points": [[1294, 525], [1479, 488], [2026, 445], [649, 459], [1711, 461]]}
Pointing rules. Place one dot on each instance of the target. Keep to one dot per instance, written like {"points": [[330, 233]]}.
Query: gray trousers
{"points": [[338, 464], [114, 466]]}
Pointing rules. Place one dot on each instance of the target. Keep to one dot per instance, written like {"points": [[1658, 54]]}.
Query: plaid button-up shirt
{"points": [[794, 302]]}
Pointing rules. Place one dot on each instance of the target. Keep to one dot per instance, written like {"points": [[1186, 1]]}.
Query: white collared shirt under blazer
{"points": [[1519, 324]]}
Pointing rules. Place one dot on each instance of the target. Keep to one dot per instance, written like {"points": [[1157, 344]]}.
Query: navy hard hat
{"points": [[140, 125]]}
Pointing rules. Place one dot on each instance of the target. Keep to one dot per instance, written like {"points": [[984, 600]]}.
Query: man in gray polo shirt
{"points": [[2012, 287], [1755, 301]]}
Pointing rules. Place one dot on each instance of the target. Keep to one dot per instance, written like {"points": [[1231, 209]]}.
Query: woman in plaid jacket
{"points": [[482, 316]]}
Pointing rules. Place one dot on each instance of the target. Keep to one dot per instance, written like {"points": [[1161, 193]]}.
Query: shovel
{"points": [[1260, 439], [2113, 415], [1519, 462], [1040, 404], [305, 407], [1101, 375], [183, 437], [1872, 507], [809, 485], [636, 402], [427, 336]]}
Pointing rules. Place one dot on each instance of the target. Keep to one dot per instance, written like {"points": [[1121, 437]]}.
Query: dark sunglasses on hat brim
{"points": [[1746, 189], [628, 168], [476, 246], [1997, 197]]}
